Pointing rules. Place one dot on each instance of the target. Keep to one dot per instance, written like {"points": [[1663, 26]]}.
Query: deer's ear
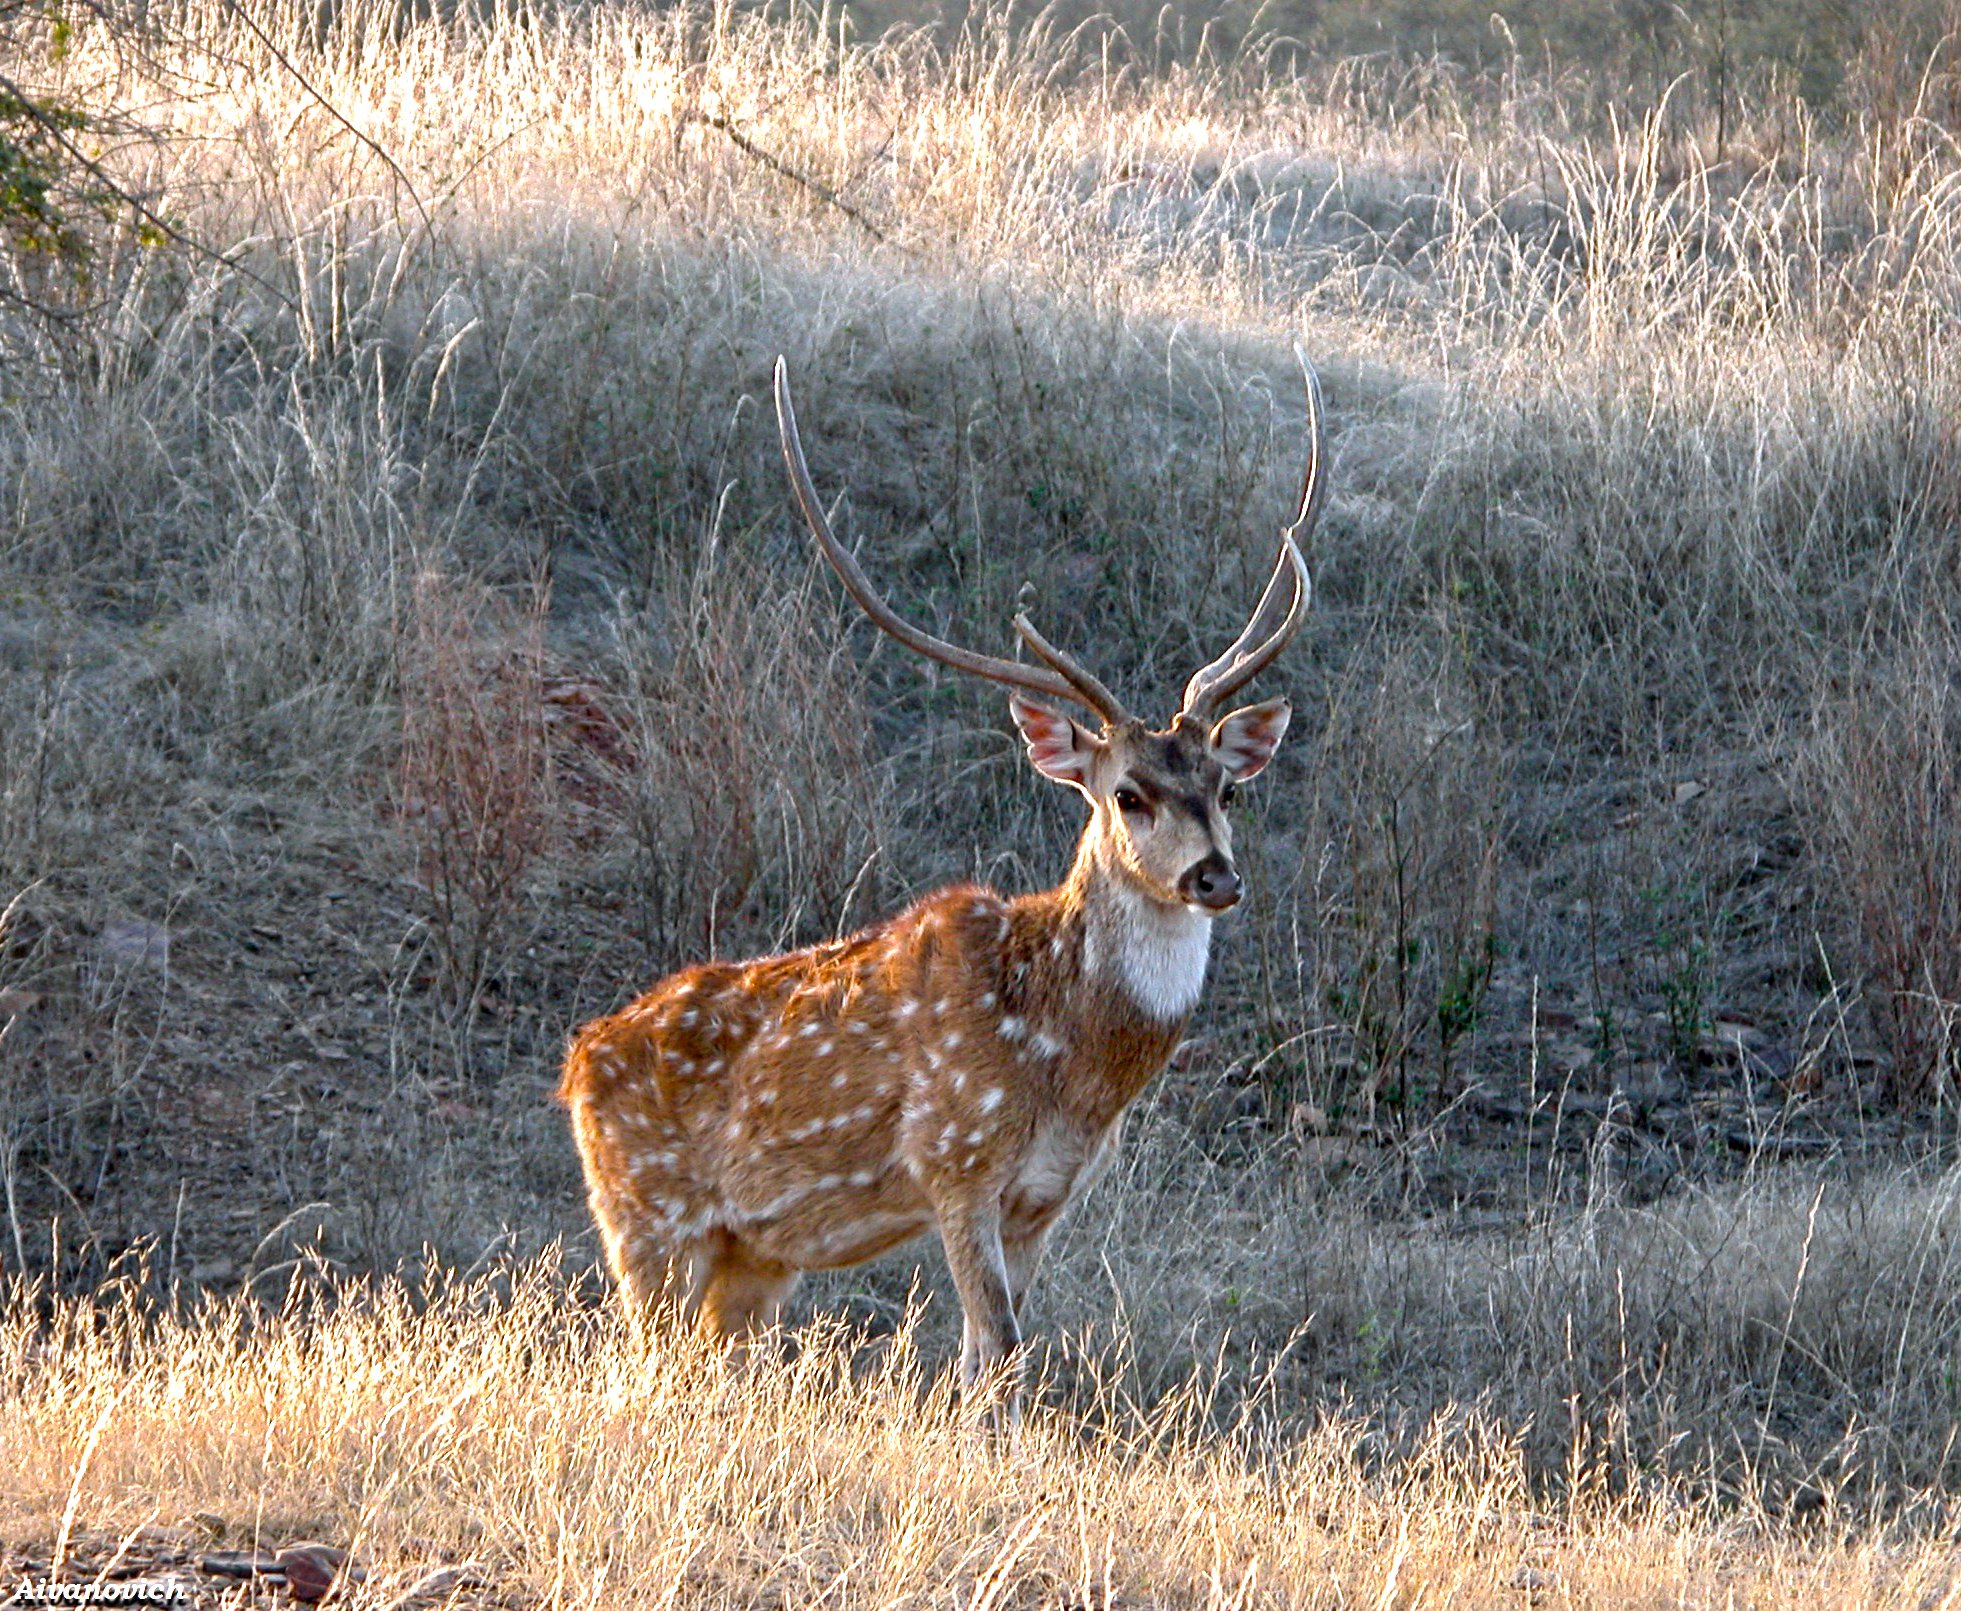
{"points": [[1245, 740], [1058, 747]]}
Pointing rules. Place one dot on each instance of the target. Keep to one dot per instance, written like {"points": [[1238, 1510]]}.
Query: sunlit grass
{"points": [[497, 1423]]}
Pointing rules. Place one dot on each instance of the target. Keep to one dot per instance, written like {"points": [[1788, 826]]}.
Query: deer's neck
{"points": [[1152, 951]]}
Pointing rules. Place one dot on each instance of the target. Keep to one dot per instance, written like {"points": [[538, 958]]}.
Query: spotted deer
{"points": [[964, 1065]]}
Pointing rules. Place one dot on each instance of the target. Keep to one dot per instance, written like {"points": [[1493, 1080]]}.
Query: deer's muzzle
{"points": [[1211, 883]]}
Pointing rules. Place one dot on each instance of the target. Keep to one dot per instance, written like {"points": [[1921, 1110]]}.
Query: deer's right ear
{"points": [[1058, 747]]}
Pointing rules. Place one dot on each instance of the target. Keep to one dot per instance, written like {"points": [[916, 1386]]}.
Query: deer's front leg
{"points": [[990, 1334]]}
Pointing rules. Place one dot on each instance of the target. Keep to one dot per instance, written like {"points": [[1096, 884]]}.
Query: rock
{"points": [[1566, 1053], [1307, 1119], [1227, 1105], [1534, 1580], [439, 1583], [1733, 1041], [1780, 1144], [313, 1569]]}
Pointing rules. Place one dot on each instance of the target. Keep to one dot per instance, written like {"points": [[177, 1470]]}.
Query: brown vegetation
{"points": [[1606, 873]]}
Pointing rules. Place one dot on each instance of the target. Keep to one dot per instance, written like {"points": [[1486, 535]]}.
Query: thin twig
{"points": [[331, 110], [817, 187]]}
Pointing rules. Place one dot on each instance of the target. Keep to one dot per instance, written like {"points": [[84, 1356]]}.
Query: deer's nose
{"points": [[1212, 884]]}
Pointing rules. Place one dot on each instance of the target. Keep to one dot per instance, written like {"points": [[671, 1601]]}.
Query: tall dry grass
{"points": [[1638, 453], [490, 1426]]}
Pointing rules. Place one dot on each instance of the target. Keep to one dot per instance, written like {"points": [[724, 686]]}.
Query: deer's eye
{"points": [[1130, 800], [1229, 793]]}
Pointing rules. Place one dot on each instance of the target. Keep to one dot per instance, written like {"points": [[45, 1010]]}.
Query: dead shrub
{"points": [[476, 788], [755, 816], [1880, 784]]}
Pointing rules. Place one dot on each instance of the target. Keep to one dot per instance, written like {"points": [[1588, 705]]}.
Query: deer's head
{"points": [[1158, 797]]}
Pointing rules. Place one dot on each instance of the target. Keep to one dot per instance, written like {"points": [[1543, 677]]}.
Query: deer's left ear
{"points": [[1245, 740]]}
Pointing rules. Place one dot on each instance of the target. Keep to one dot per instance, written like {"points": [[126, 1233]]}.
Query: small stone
{"points": [[1532, 1580], [441, 1582], [1308, 1119], [312, 1569]]}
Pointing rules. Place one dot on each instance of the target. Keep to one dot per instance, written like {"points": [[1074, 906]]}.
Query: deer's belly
{"points": [[852, 1241], [829, 1222]]}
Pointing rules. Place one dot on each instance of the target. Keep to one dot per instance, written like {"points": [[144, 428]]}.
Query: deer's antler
{"points": [[1060, 677], [1288, 590]]}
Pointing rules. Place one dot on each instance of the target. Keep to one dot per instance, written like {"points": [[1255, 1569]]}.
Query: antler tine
{"points": [[1089, 689], [1062, 682], [1231, 671]]}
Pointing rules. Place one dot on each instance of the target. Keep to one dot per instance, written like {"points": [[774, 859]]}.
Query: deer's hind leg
{"points": [[1021, 1256], [642, 1206]]}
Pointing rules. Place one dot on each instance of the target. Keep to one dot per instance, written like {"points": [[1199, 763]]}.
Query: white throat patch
{"points": [[1157, 952]]}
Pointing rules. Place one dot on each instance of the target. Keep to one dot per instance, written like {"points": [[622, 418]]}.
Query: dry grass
{"points": [[490, 1422], [475, 786], [1882, 775], [1639, 455], [510, 1430]]}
